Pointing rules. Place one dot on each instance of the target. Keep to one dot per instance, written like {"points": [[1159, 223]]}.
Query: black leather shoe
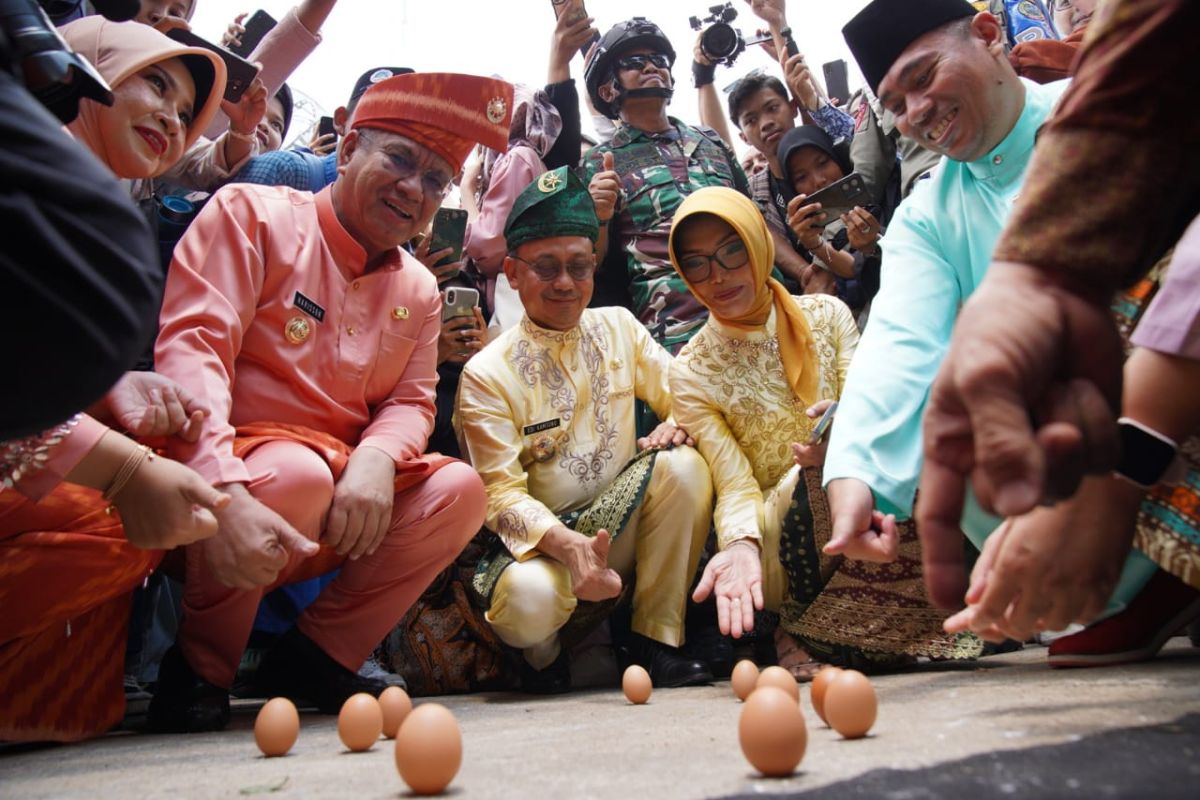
{"points": [[555, 678], [668, 666], [183, 701], [296, 668]]}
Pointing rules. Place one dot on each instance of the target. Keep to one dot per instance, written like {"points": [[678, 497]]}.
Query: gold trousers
{"points": [[663, 540]]}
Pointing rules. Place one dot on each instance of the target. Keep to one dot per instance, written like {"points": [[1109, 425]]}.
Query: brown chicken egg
{"points": [[820, 685], [429, 748], [780, 678], [850, 704], [360, 722], [395, 705], [636, 684], [276, 727], [771, 732], [743, 678]]}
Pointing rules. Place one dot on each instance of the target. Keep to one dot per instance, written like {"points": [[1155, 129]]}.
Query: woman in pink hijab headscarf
{"points": [[165, 94]]}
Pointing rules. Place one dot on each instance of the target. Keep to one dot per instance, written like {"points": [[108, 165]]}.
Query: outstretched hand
{"points": [[735, 575], [1023, 406]]}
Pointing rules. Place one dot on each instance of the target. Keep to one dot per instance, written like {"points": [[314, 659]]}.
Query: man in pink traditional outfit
{"points": [[313, 339]]}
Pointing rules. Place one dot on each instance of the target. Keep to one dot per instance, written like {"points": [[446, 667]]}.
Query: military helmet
{"points": [[624, 36]]}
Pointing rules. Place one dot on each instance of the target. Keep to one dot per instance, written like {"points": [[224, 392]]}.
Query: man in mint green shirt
{"points": [[941, 69]]}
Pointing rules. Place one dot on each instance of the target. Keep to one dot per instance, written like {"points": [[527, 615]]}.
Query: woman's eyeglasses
{"points": [[697, 268]]}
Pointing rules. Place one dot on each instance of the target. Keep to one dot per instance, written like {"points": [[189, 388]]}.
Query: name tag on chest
{"points": [[309, 307], [549, 424]]}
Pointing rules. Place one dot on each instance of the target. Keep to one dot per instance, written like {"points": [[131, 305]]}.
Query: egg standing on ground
{"points": [[360, 722], [429, 748], [780, 678], [276, 727], [395, 705], [820, 685], [636, 684], [771, 732], [850, 704], [743, 678]]}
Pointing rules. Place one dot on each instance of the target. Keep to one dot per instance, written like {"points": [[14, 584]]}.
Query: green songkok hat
{"points": [[556, 203]]}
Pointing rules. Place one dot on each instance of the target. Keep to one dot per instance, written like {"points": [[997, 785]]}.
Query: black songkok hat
{"points": [[881, 31]]}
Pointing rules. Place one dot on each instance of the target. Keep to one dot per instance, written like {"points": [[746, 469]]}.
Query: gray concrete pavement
{"points": [[1005, 726]]}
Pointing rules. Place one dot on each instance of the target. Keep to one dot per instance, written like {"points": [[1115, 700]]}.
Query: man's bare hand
{"points": [[587, 561], [361, 512], [859, 530], [605, 189], [253, 543], [1023, 405]]}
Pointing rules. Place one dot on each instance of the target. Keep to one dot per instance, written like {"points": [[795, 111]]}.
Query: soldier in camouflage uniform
{"points": [[645, 171]]}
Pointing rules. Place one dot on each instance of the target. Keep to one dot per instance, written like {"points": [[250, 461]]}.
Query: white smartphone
{"points": [[459, 301]]}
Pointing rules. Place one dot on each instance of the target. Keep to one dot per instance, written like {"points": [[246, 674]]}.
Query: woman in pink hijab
{"points": [[86, 512]]}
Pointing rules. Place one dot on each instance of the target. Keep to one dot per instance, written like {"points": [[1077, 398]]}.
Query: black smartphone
{"points": [[325, 128], [836, 81], [257, 26], [577, 11], [449, 230], [841, 196], [822, 427], [241, 73]]}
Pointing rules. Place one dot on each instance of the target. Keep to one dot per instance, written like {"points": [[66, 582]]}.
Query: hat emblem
{"points": [[549, 182], [496, 110], [381, 74]]}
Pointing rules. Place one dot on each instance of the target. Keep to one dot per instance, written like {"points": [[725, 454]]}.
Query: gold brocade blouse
{"points": [[547, 418], [729, 392]]}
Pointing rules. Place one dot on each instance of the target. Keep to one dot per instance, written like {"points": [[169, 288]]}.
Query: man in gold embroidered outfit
{"points": [[546, 415]]}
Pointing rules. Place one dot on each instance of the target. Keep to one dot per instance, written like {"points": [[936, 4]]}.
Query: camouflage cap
{"points": [[556, 203]]}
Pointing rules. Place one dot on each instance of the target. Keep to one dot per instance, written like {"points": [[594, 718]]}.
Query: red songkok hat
{"points": [[446, 112]]}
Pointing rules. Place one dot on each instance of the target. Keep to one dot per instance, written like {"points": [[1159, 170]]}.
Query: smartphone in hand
{"points": [[325, 128], [241, 73], [822, 427], [576, 12], [449, 230], [841, 196], [256, 27], [459, 301]]}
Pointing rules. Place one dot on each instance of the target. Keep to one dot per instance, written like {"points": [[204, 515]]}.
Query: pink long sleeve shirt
{"points": [[260, 262]]}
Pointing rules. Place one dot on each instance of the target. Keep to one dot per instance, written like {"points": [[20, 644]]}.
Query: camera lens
{"points": [[719, 41]]}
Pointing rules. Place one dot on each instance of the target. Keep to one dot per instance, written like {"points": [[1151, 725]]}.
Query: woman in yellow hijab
{"points": [[750, 388]]}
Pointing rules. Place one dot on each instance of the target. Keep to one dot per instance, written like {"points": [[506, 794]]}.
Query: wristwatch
{"points": [[1147, 456]]}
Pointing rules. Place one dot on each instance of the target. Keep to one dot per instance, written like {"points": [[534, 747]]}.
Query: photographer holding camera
{"points": [[629, 78], [762, 110]]}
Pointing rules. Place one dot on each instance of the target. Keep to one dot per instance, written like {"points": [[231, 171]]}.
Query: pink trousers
{"points": [[431, 523]]}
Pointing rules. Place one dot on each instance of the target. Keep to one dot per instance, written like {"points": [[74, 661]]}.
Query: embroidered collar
{"points": [[544, 335]]}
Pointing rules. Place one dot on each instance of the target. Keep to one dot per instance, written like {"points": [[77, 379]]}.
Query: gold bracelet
{"points": [[133, 461]]}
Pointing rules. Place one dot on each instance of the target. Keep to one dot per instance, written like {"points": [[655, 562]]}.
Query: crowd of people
{"points": [[623, 441]]}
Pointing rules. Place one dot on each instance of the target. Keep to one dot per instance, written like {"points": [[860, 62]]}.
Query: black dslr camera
{"points": [[721, 42], [32, 50]]}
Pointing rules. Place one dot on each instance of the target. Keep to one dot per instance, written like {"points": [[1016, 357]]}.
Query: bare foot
{"points": [[794, 658]]}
